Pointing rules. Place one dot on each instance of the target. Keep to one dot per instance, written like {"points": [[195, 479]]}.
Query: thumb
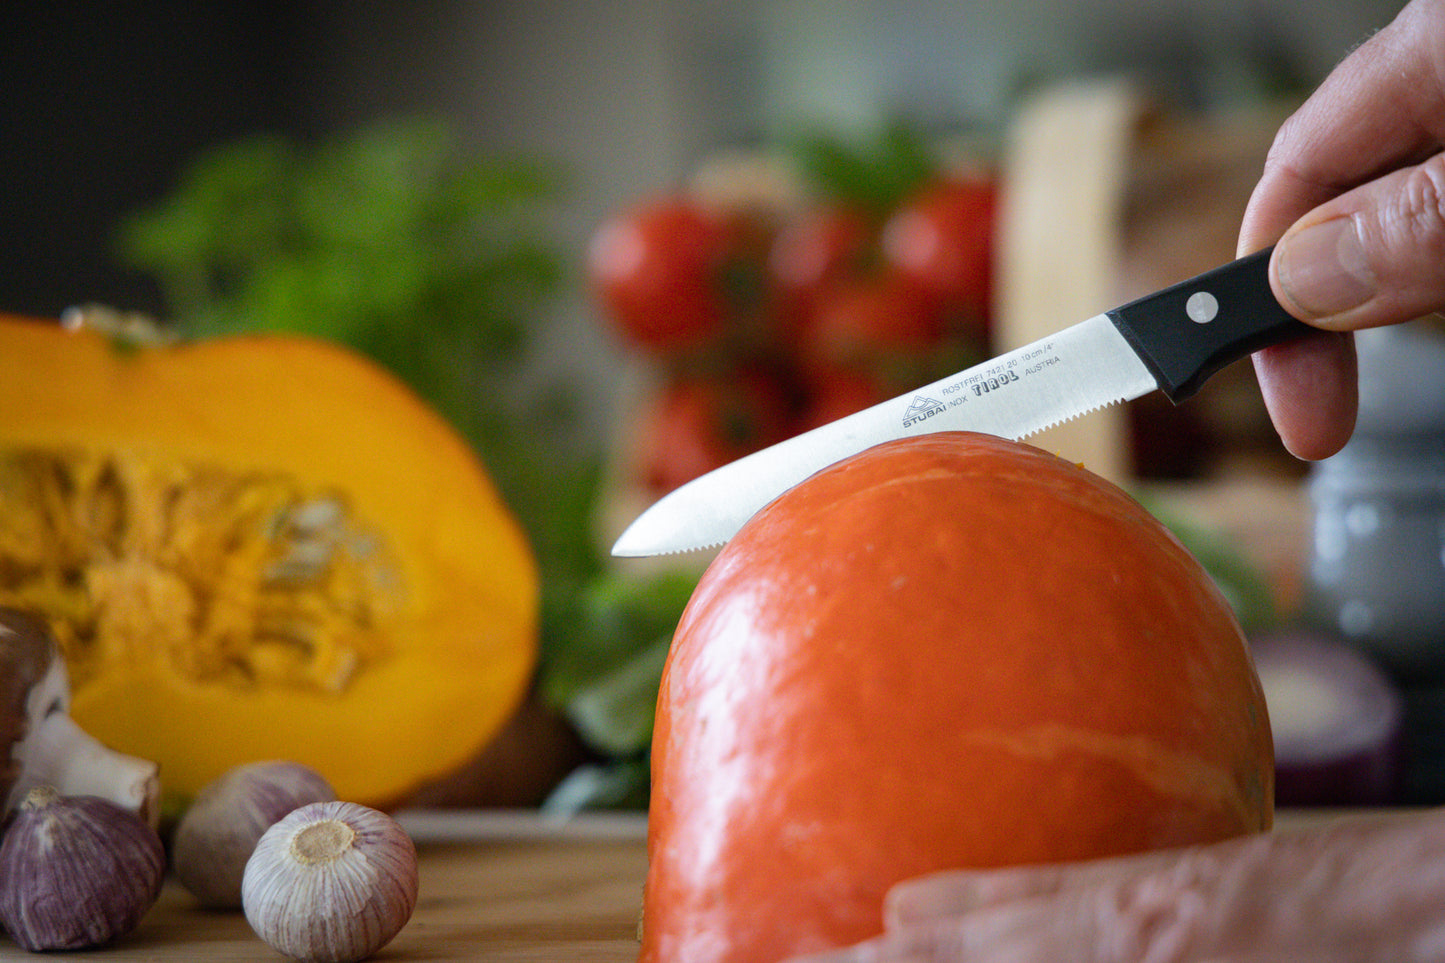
{"points": [[1372, 256]]}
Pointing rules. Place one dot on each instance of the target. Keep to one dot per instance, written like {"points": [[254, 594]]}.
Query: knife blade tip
{"points": [[624, 548], [645, 538]]}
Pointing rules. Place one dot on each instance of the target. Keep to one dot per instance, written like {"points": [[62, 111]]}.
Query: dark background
{"points": [[103, 104]]}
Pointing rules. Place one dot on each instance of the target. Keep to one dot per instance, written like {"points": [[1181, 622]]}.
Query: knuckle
{"points": [[1159, 917], [1288, 152], [1418, 219]]}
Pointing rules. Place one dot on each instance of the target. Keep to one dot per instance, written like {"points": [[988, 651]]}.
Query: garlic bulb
{"points": [[219, 830], [76, 871], [332, 881], [41, 745]]}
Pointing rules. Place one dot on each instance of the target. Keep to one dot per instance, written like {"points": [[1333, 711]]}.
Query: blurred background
{"points": [[106, 105], [1120, 138]]}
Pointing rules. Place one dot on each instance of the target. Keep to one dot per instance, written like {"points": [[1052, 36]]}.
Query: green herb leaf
{"points": [[876, 174]]}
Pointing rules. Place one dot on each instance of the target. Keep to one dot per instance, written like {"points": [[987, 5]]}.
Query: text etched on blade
{"points": [[921, 409], [1006, 372]]}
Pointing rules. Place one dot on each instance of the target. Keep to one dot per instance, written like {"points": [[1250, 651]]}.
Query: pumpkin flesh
{"points": [[259, 547], [266, 585], [950, 651]]}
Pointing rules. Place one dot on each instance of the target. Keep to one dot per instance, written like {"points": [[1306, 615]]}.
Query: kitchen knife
{"points": [[1172, 341]]}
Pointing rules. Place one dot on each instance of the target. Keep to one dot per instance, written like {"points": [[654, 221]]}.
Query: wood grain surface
{"points": [[494, 887]]}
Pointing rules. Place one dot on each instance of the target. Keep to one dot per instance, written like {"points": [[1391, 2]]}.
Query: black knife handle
{"points": [[1185, 333]]}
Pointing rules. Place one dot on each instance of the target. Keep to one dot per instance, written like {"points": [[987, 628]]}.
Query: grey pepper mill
{"points": [[1377, 572]]}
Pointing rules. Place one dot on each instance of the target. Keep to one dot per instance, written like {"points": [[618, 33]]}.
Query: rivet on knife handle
{"points": [[1187, 332]]}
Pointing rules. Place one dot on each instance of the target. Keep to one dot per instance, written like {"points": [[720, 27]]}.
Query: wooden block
{"points": [[1065, 173]]}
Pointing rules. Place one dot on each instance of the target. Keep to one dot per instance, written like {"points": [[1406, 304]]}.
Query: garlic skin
{"points": [[219, 830], [332, 882], [76, 871], [46, 746]]}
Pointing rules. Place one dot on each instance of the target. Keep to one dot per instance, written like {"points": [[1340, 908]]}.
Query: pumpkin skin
{"points": [[458, 644], [947, 651]]}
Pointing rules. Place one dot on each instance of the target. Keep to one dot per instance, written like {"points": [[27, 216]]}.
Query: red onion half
{"points": [[1336, 720]]}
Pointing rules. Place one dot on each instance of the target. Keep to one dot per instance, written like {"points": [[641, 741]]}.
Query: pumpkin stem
{"points": [[127, 330]]}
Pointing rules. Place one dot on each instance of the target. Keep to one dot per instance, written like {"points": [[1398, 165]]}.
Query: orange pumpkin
{"points": [[947, 651], [260, 547]]}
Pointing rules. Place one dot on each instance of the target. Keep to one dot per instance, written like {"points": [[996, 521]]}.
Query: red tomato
{"points": [[697, 424], [863, 320], [812, 251], [942, 240], [659, 270], [836, 392]]}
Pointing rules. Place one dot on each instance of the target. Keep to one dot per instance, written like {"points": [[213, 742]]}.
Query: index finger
{"points": [[1381, 109]]}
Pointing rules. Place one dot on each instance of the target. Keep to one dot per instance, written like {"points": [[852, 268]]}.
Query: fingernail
{"points": [[1323, 269]]}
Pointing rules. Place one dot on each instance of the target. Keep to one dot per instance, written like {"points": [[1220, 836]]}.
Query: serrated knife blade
{"points": [[1171, 341]]}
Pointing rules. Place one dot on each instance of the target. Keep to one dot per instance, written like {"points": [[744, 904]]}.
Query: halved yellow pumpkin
{"points": [[260, 547]]}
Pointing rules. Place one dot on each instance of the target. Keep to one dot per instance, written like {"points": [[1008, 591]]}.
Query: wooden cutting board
{"points": [[494, 887]]}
